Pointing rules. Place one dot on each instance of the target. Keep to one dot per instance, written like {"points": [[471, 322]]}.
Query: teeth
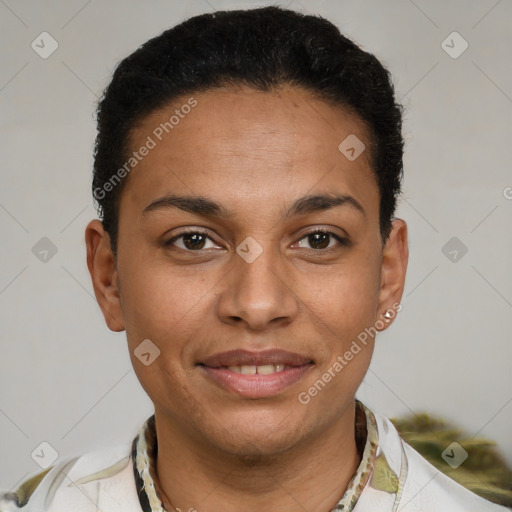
{"points": [[266, 369]]}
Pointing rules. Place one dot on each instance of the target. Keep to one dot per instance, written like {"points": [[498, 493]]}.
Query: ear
{"points": [[104, 276], [395, 256]]}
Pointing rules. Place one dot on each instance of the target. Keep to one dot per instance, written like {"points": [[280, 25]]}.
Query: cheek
{"points": [[160, 307], [345, 307], [157, 301], [346, 296], [342, 313], [359, 300]]}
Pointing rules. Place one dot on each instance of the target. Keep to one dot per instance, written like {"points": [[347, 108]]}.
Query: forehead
{"points": [[246, 145]]}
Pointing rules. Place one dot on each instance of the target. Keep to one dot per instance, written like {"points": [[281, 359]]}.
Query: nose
{"points": [[258, 292]]}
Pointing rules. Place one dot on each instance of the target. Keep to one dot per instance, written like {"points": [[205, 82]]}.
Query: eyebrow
{"points": [[207, 208]]}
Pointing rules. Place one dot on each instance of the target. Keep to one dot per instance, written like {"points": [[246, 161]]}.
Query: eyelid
{"points": [[327, 230], [186, 231], [343, 241]]}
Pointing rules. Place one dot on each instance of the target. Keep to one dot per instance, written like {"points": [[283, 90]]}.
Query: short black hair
{"points": [[262, 48]]}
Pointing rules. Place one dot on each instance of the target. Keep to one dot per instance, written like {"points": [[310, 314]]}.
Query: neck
{"points": [[312, 475]]}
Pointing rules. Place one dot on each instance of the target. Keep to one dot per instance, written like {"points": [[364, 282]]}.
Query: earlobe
{"points": [[395, 256], [104, 276]]}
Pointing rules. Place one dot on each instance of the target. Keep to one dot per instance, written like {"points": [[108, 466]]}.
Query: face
{"points": [[258, 273]]}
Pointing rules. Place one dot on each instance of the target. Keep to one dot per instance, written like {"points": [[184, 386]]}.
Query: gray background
{"points": [[67, 380]]}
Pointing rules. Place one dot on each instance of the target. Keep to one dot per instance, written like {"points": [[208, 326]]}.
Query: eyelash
{"points": [[344, 242]]}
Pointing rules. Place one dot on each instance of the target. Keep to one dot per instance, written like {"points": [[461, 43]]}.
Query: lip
{"points": [[241, 357], [255, 385]]}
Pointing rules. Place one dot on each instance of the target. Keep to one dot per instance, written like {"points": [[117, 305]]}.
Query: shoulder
{"points": [[97, 480], [429, 486], [423, 486]]}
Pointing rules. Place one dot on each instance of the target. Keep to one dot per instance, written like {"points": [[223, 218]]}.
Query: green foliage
{"points": [[484, 472]]}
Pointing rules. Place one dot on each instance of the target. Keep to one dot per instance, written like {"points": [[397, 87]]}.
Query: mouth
{"points": [[264, 369], [255, 374]]}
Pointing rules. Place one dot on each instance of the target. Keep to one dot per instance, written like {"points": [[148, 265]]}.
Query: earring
{"points": [[387, 316]]}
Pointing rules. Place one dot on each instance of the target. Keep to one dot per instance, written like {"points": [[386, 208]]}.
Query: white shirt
{"points": [[400, 479]]}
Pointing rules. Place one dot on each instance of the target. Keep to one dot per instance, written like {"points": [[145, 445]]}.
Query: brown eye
{"points": [[190, 241], [320, 240]]}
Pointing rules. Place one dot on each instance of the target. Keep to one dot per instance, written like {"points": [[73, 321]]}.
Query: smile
{"points": [[255, 374]]}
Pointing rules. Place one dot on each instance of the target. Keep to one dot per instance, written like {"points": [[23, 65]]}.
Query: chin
{"points": [[255, 442], [256, 452]]}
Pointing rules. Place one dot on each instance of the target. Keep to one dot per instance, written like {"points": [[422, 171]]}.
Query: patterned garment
{"points": [[391, 477]]}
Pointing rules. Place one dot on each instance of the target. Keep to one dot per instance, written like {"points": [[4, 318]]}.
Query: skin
{"points": [[255, 153]]}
